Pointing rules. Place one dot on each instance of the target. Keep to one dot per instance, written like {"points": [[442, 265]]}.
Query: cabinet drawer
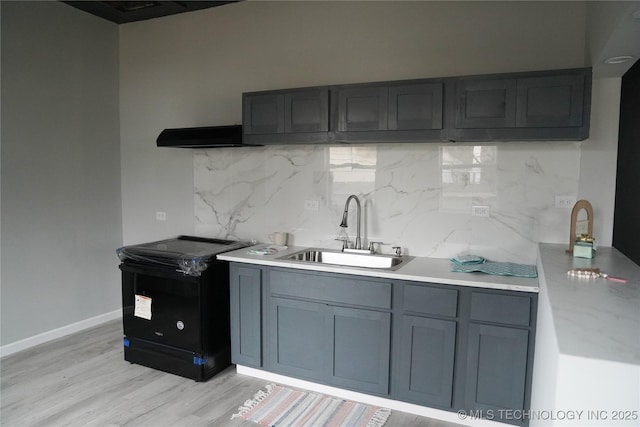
{"points": [[428, 300], [332, 289], [507, 309]]}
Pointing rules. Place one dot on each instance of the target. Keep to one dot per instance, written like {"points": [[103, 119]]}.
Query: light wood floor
{"points": [[83, 380]]}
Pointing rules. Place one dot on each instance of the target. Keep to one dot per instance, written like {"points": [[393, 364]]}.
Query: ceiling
{"points": [[122, 12], [613, 33]]}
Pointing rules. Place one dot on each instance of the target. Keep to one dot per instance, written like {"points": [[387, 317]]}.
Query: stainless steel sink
{"points": [[324, 256]]}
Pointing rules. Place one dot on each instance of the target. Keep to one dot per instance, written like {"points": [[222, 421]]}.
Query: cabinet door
{"points": [[246, 315], [415, 107], [553, 101], [306, 111], [427, 354], [263, 114], [360, 345], [489, 103], [362, 109], [297, 338], [496, 367]]}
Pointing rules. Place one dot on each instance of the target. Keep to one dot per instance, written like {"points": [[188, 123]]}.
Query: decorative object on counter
{"points": [[280, 406], [580, 204], [593, 273], [477, 264], [584, 246], [279, 238], [266, 250]]}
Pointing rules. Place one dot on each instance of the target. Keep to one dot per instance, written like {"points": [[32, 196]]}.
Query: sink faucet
{"points": [[343, 224]]}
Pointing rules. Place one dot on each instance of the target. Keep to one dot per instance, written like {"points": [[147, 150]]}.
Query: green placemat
{"points": [[497, 268]]}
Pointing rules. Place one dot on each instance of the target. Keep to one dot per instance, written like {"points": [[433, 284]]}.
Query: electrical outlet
{"points": [[565, 201], [480, 210], [161, 216], [311, 205]]}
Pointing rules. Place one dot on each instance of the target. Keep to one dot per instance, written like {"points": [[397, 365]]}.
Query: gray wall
{"points": [[61, 206], [190, 70]]}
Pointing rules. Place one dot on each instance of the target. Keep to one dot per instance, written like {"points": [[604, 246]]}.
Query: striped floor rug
{"points": [[279, 406]]}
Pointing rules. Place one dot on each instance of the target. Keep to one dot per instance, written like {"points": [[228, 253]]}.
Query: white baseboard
{"points": [[423, 411], [53, 334]]}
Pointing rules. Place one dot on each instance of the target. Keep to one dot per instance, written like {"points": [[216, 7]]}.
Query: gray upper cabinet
{"points": [[541, 105], [285, 117], [362, 109], [486, 103], [306, 111], [550, 105], [263, 114], [390, 112], [552, 101], [415, 107]]}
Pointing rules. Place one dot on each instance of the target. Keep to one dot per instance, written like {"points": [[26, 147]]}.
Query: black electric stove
{"points": [[175, 301]]}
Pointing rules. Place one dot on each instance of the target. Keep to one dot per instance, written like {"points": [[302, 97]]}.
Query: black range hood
{"points": [[203, 137]]}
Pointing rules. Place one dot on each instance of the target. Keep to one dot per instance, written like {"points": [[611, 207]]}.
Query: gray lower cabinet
{"points": [[297, 339], [359, 345], [452, 347], [426, 362], [496, 368], [333, 328], [246, 314], [428, 331], [341, 346], [499, 360]]}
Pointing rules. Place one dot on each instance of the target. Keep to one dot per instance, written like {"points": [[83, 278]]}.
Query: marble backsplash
{"points": [[418, 196]]}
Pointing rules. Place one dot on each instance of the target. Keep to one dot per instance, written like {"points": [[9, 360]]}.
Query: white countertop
{"points": [[593, 318], [419, 269]]}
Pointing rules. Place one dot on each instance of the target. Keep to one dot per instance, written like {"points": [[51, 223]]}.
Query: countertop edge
{"points": [[592, 318], [416, 270]]}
